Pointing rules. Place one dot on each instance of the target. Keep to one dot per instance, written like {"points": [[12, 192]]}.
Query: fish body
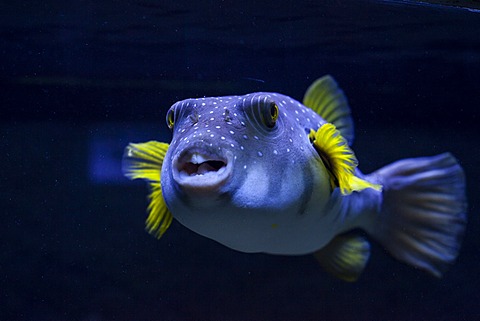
{"points": [[263, 172], [272, 182]]}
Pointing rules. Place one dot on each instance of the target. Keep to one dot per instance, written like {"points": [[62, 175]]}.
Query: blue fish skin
{"points": [[263, 172], [276, 176]]}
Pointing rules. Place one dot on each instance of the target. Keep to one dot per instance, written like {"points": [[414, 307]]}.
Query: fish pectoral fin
{"points": [[144, 161], [345, 256], [328, 100], [339, 160]]}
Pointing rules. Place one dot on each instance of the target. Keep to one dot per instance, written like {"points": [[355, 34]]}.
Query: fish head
{"points": [[241, 164]]}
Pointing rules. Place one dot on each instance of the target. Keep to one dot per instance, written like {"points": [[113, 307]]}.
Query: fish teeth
{"points": [[198, 158]]}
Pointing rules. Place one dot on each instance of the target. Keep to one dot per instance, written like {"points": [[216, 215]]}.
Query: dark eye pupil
{"points": [[273, 111], [170, 118]]}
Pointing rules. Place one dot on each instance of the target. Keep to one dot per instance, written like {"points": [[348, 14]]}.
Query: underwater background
{"points": [[81, 79]]}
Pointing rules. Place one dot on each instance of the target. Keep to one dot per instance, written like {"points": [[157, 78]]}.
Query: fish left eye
{"points": [[270, 115], [171, 118]]}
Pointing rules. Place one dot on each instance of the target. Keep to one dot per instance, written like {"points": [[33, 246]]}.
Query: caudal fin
{"points": [[423, 214]]}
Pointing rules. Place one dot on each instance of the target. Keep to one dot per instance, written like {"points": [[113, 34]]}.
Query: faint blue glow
{"points": [[107, 143]]}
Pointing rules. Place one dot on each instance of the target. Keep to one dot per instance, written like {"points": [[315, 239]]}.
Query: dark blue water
{"points": [[81, 79]]}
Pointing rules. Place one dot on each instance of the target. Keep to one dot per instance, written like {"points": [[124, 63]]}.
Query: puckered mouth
{"points": [[200, 169]]}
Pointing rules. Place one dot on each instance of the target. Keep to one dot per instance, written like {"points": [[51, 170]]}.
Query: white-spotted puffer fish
{"points": [[265, 173]]}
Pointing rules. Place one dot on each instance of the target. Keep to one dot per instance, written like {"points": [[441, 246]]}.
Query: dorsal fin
{"points": [[328, 100]]}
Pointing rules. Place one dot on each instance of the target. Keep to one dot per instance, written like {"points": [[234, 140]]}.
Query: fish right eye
{"points": [[171, 118]]}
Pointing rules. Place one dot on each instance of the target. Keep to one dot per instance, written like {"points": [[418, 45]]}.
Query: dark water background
{"points": [[80, 79]]}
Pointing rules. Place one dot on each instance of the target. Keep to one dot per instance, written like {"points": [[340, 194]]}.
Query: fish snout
{"points": [[200, 171]]}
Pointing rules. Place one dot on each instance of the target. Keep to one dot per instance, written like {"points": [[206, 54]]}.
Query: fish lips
{"points": [[201, 170]]}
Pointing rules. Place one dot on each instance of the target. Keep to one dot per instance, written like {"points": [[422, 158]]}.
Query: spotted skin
{"points": [[264, 173], [276, 175]]}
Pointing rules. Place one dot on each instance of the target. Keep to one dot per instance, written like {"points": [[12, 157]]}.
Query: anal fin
{"points": [[345, 256]]}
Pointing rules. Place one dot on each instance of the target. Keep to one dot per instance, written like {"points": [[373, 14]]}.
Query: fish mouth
{"points": [[199, 170]]}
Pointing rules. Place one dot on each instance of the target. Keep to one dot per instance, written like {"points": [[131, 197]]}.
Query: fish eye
{"points": [[171, 118], [270, 114]]}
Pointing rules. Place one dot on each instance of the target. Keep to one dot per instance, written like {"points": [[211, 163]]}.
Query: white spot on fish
{"points": [[244, 166], [255, 137], [212, 118], [212, 135], [288, 150], [233, 146], [275, 152], [245, 136], [231, 132], [241, 147], [291, 141], [223, 138], [260, 154], [217, 127]]}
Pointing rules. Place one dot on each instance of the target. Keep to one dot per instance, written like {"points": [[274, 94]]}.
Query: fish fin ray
{"points": [[144, 161], [328, 100], [345, 256], [339, 160], [423, 217]]}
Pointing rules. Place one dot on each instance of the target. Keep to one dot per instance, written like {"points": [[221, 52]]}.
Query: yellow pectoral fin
{"points": [[159, 217], [339, 160], [145, 161]]}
